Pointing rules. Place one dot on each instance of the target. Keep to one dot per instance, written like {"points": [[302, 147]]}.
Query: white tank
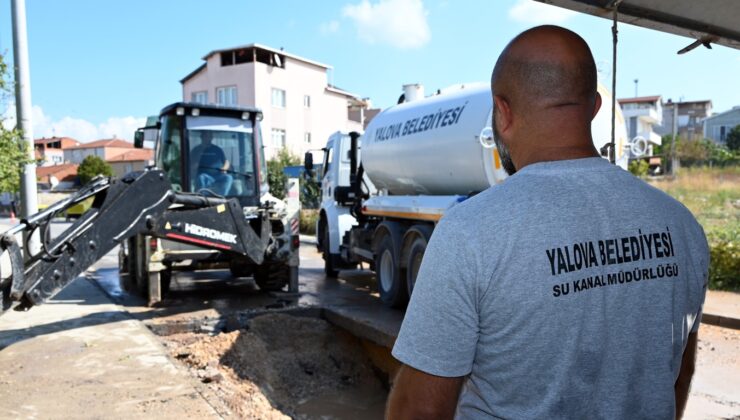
{"points": [[432, 146]]}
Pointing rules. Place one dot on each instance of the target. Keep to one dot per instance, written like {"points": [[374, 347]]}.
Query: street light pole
{"points": [[29, 199]]}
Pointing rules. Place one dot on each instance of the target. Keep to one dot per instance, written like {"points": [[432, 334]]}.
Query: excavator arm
{"points": [[139, 203]]}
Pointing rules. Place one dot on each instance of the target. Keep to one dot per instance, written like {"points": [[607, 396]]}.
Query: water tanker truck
{"points": [[384, 191]]}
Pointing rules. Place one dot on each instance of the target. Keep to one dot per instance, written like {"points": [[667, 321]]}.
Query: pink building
{"points": [[301, 109]]}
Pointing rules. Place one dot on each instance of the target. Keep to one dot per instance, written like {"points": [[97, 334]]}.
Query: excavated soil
{"points": [[284, 366]]}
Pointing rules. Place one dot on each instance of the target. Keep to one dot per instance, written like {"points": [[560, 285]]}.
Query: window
{"points": [[199, 97], [722, 133], [227, 58], [307, 137], [221, 161], [226, 96], [169, 158], [278, 138], [278, 98], [306, 101]]}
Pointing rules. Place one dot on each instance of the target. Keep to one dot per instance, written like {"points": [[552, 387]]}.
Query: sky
{"points": [[98, 68]]}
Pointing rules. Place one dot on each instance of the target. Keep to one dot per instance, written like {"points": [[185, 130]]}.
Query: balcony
{"points": [[647, 114], [651, 137]]}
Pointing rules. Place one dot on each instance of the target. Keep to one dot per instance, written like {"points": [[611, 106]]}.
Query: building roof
{"points": [[735, 108], [45, 140], [43, 171], [135, 155], [341, 91], [105, 143], [193, 73], [703, 101], [257, 46], [654, 98]]}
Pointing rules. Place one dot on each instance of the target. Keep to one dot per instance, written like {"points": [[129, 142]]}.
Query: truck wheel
{"points": [[330, 268], [391, 282], [272, 277], [416, 253]]}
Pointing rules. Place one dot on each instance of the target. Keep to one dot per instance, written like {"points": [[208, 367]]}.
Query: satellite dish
{"points": [[638, 146], [486, 138]]}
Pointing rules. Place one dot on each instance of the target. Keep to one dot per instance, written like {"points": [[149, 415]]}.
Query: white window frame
{"points": [[230, 95], [279, 138], [279, 101], [203, 94]]}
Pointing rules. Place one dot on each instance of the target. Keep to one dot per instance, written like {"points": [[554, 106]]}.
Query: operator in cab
{"points": [[572, 290], [212, 166]]}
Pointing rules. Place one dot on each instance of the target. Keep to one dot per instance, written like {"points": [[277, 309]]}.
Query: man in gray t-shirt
{"points": [[572, 290]]}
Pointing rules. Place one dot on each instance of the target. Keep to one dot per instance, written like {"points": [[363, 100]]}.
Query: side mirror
{"points": [[139, 139], [308, 162]]}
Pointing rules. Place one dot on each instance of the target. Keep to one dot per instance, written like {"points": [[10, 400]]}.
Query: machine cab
{"points": [[212, 150]]}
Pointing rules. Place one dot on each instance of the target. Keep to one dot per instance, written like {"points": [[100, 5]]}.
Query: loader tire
{"points": [[272, 277]]}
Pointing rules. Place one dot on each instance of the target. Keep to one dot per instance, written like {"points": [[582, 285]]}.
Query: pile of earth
{"points": [[284, 366]]}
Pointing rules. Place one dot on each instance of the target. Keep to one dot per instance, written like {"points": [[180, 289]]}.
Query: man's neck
{"points": [[549, 154]]}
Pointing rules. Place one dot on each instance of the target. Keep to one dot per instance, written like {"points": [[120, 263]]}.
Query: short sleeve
{"points": [[439, 334]]}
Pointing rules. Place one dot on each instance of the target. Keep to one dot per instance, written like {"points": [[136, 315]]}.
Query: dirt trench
{"points": [[283, 366]]}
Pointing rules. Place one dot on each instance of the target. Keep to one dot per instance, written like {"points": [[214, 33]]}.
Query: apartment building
{"points": [[642, 115], [50, 151], [691, 115], [300, 107]]}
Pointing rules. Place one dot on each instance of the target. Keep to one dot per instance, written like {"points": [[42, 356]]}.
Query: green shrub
{"points": [[308, 221], [91, 167], [724, 269], [639, 167], [275, 176]]}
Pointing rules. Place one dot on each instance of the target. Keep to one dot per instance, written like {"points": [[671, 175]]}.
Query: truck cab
{"points": [[334, 219]]}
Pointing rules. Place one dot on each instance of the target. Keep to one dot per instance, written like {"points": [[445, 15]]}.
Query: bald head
{"points": [[543, 67], [544, 86]]}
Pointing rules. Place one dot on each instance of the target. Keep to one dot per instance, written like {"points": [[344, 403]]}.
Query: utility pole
{"points": [[29, 199], [636, 82], [674, 161]]}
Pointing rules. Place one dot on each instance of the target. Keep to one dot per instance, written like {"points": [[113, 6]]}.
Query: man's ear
{"points": [[504, 112], [597, 105]]}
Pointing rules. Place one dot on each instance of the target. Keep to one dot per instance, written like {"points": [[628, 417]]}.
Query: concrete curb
{"points": [[721, 321], [308, 239]]}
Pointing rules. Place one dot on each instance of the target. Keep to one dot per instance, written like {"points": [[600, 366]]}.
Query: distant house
{"points": [[104, 149], [133, 160], [718, 126], [300, 107], [691, 115], [641, 116], [51, 151], [62, 176]]}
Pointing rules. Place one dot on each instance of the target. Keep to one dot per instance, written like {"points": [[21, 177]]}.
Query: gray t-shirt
{"points": [[568, 291]]}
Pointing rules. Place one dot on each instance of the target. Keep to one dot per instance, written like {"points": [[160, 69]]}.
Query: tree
{"points": [[733, 139], [12, 147], [91, 167], [276, 179]]}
